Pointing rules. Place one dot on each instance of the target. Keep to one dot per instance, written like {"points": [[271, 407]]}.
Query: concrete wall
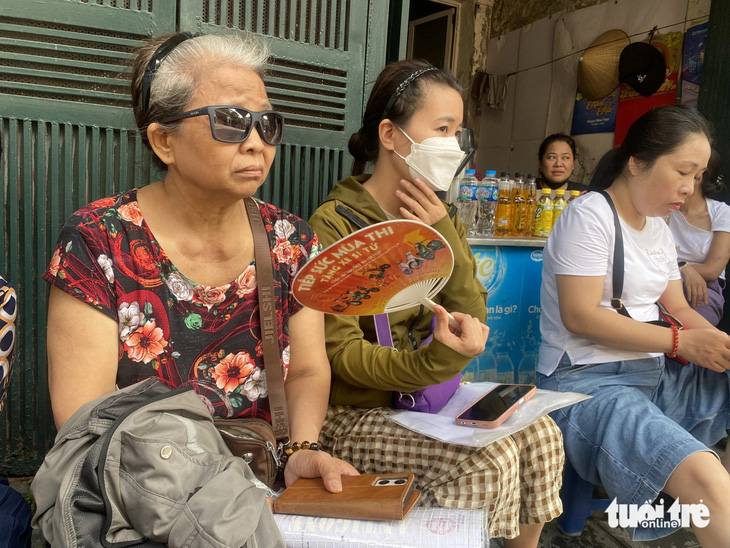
{"points": [[541, 88], [509, 15]]}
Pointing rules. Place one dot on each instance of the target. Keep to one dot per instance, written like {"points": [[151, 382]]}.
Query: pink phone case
{"points": [[499, 420]]}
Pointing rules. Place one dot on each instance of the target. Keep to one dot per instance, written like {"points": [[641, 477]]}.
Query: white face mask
{"points": [[434, 160]]}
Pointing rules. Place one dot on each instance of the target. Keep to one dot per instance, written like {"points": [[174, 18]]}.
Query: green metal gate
{"points": [[68, 134]]}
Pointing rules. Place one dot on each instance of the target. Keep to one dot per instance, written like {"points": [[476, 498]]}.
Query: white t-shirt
{"points": [[581, 244], [693, 243]]}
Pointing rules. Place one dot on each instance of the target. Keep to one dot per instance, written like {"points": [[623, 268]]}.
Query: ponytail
{"points": [[358, 148]]}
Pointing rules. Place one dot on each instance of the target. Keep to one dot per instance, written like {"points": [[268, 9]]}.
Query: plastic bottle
{"points": [[520, 220], [517, 183], [573, 195], [531, 200], [543, 215], [487, 196], [493, 196], [467, 202], [503, 215], [559, 204]]}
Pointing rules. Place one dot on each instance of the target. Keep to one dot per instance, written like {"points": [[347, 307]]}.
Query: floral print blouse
{"points": [[170, 327], [8, 313]]}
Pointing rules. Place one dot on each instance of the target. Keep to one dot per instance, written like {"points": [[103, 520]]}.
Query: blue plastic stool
{"points": [[578, 502]]}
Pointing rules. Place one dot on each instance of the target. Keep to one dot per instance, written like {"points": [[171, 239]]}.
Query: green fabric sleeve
{"points": [[358, 363]]}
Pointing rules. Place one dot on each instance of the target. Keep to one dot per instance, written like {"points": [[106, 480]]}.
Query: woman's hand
{"points": [[708, 348], [469, 340], [695, 287], [421, 202], [318, 464]]}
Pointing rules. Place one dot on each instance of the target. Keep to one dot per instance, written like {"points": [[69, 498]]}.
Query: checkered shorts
{"points": [[516, 479]]}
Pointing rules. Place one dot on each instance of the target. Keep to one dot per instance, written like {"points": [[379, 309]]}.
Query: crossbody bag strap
{"points": [[382, 330], [351, 216], [618, 274], [382, 322], [267, 314], [618, 260]]}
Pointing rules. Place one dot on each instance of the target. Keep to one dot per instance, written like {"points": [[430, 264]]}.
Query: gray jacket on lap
{"points": [[144, 466]]}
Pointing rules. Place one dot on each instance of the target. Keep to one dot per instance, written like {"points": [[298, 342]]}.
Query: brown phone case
{"points": [[361, 498]]}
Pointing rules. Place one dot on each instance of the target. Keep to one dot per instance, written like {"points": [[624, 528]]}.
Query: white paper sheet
{"points": [[442, 427], [422, 528]]}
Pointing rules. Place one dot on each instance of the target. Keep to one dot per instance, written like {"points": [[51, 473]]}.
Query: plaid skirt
{"points": [[516, 479]]}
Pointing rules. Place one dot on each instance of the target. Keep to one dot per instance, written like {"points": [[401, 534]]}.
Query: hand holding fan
{"points": [[381, 268]]}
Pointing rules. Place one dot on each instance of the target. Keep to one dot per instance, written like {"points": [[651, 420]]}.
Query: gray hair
{"points": [[179, 75]]}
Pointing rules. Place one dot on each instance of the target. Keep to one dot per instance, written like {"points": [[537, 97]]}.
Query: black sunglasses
{"points": [[230, 124]]}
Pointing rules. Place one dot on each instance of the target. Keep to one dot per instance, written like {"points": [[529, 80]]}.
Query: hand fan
{"points": [[385, 267]]}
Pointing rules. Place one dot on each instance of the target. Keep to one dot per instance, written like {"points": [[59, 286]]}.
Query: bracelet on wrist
{"points": [[675, 342], [290, 448]]}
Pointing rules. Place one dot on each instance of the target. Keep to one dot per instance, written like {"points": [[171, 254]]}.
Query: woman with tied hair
{"points": [[557, 157], [645, 432], [409, 131], [701, 229], [160, 281]]}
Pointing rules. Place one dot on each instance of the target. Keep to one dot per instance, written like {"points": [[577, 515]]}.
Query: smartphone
{"points": [[494, 407]]}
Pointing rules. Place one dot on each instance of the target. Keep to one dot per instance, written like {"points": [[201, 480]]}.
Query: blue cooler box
{"points": [[512, 277]]}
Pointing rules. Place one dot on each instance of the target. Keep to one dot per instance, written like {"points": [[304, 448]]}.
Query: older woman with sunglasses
{"points": [[160, 281]]}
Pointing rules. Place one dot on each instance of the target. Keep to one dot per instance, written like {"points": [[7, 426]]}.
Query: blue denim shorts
{"points": [[645, 418]]}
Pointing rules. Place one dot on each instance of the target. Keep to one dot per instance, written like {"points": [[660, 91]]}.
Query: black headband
{"points": [[156, 60], [403, 86]]}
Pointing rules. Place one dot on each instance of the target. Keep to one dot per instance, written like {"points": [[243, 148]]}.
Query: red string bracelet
{"points": [[675, 342]]}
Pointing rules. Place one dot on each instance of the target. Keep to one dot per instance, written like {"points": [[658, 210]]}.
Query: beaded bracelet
{"points": [[675, 342], [290, 449]]}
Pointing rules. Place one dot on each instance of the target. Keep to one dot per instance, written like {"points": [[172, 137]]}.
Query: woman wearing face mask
{"points": [[409, 132], [557, 157]]}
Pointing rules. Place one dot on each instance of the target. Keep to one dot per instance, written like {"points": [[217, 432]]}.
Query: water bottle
{"points": [[487, 198], [467, 202], [493, 196]]}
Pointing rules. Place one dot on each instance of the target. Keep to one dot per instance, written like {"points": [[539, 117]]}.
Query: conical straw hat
{"points": [[598, 66]]}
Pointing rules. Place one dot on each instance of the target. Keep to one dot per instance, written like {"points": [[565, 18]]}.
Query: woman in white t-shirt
{"points": [[701, 230], [647, 428]]}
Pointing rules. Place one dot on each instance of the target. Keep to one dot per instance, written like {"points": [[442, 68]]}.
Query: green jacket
{"points": [[365, 374]]}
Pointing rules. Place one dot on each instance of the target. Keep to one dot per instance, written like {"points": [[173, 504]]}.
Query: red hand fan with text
{"points": [[381, 268]]}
